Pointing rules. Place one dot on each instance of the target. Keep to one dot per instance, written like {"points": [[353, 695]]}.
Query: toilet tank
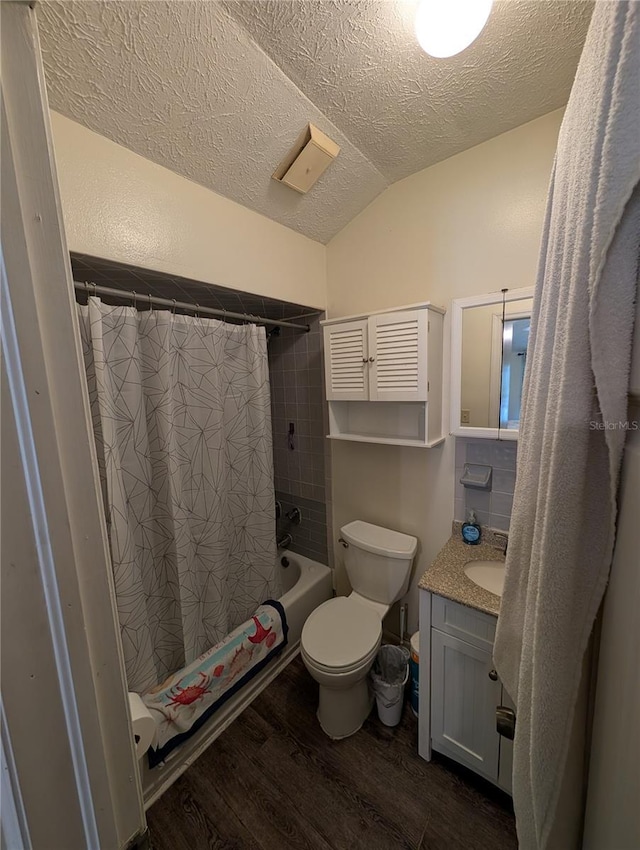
{"points": [[378, 560]]}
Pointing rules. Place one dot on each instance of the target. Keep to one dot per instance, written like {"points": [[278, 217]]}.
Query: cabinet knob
{"points": [[372, 359], [493, 675]]}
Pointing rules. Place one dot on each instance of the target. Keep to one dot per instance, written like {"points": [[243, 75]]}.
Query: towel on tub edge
{"points": [[186, 700]]}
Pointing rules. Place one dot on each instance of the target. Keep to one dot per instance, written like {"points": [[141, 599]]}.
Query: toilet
{"points": [[341, 638]]}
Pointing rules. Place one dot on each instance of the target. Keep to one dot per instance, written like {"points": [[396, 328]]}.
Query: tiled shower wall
{"points": [[297, 399], [492, 507]]}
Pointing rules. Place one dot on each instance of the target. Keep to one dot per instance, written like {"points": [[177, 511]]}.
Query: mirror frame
{"points": [[458, 306]]}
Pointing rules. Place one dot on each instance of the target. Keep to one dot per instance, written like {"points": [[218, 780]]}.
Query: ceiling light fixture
{"points": [[446, 27]]}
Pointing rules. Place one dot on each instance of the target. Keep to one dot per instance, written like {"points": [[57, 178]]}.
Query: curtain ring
{"points": [[150, 302], [173, 308], [95, 290], [135, 299], [197, 311]]}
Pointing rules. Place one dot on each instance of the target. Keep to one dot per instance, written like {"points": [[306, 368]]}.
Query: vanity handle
{"points": [[493, 675], [372, 360], [505, 722]]}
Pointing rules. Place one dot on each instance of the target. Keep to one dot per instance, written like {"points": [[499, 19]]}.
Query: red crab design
{"points": [[261, 633], [188, 695], [241, 658]]}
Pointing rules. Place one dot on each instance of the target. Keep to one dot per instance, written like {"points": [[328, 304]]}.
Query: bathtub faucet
{"points": [[284, 542]]}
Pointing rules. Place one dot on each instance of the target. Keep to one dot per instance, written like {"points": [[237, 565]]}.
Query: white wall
{"points": [[120, 206], [468, 225]]}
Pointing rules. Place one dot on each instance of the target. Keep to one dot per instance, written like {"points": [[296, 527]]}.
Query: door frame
{"points": [[61, 544]]}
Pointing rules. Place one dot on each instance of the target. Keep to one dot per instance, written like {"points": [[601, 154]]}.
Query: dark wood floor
{"points": [[274, 781]]}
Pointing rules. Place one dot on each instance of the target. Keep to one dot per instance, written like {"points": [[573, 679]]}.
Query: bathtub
{"points": [[305, 585]]}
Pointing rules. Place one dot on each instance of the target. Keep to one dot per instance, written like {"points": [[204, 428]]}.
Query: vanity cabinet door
{"points": [[463, 704], [398, 356], [346, 352]]}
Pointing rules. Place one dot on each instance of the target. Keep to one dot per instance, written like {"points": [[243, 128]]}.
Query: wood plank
{"points": [[184, 823], [356, 818]]}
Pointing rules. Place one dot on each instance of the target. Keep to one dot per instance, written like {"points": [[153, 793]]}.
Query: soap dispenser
{"points": [[471, 530]]}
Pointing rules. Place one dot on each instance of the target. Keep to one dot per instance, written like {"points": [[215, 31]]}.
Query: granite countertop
{"points": [[446, 577]]}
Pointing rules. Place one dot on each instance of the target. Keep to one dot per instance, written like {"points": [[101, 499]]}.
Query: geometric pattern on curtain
{"points": [[182, 422]]}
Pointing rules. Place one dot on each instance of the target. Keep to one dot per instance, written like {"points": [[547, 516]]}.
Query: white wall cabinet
{"points": [[460, 690], [383, 376]]}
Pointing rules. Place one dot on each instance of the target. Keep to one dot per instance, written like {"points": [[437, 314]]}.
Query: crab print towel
{"points": [[185, 701]]}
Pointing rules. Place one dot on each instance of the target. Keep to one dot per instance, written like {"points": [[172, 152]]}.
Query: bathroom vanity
{"points": [[459, 688]]}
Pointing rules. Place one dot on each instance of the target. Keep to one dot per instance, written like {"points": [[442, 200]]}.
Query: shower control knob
{"points": [[295, 515], [493, 675]]}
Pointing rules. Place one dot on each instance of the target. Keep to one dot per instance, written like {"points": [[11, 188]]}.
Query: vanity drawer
{"points": [[452, 618]]}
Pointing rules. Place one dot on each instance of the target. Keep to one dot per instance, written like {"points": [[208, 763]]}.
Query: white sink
{"points": [[487, 574]]}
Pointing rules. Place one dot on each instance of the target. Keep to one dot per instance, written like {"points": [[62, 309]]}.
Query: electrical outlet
{"points": [[465, 417]]}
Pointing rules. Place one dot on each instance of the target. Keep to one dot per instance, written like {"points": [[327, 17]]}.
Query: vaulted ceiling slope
{"points": [[217, 90]]}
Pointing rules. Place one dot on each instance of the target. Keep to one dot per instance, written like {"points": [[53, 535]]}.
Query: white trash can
{"points": [[389, 675]]}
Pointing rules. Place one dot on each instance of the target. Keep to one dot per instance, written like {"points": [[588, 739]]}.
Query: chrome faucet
{"points": [[284, 542]]}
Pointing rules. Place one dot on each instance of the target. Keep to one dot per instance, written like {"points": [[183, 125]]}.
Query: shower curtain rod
{"points": [[98, 289]]}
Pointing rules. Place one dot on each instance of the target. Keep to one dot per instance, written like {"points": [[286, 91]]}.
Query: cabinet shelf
{"points": [[388, 441], [399, 423]]}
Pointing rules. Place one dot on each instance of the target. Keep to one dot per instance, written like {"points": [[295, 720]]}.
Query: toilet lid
{"points": [[341, 632]]}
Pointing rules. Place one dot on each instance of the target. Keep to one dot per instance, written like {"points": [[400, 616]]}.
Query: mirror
{"points": [[515, 338], [487, 363]]}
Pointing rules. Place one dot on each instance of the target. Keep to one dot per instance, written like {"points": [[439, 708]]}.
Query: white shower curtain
{"points": [[181, 414]]}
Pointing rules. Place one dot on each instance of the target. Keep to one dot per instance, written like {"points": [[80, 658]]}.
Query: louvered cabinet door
{"points": [[346, 354], [398, 356]]}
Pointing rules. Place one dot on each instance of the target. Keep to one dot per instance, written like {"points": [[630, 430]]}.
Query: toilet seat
{"points": [[341, 635], [365, 662]]}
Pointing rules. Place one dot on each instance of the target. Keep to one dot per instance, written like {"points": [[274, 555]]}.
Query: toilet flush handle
{"points": [[344, 542]]}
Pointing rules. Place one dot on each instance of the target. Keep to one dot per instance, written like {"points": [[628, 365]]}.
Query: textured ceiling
{"points": [[359, 62], [218, 91]]}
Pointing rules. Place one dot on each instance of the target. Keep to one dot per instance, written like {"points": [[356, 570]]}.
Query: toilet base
{"points": [[341, 712]]}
